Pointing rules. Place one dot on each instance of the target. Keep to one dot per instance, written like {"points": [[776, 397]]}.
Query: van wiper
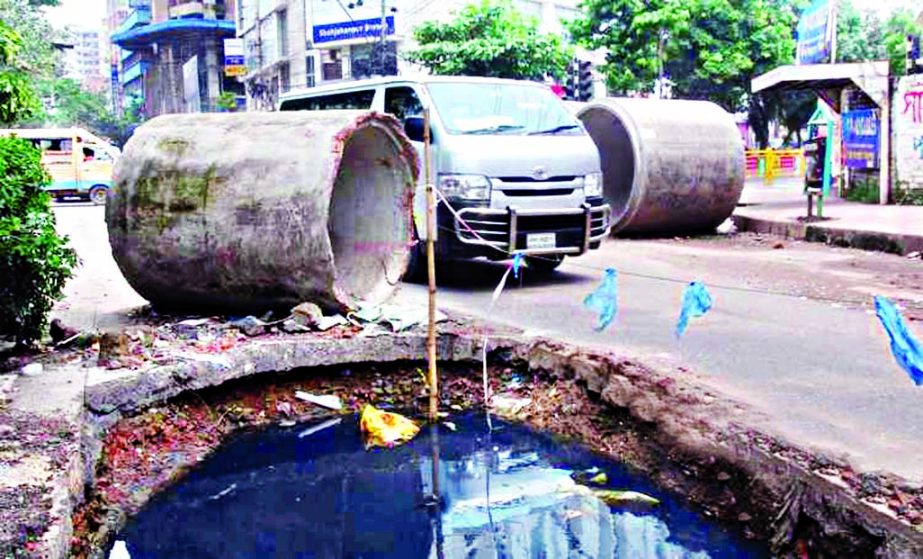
{"points": [[495, 129], [555, 130]]}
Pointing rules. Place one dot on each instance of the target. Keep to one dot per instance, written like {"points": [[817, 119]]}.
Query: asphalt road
{"points": [[820, 370]]}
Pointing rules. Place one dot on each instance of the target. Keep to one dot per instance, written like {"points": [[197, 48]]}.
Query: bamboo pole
{"points": [[431, 270]]}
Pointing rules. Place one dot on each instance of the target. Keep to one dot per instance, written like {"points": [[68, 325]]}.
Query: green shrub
{"points": [[35, 261], [865, 191]]}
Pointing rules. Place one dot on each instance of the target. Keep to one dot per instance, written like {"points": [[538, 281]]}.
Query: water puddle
{"points": [[314, 491]]}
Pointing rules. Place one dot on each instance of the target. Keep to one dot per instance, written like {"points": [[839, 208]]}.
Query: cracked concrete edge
{"points": [[686, 414], [821, 232]]}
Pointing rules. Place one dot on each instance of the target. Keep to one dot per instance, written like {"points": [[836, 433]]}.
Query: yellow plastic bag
{"points": [[385, 429]]}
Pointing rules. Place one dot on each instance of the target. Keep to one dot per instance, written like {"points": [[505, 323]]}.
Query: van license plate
{"points": [[538, 241]]}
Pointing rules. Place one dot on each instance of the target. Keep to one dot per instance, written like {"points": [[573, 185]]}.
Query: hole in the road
{"points": [[313, 490], [369, 225], [617, 158]]}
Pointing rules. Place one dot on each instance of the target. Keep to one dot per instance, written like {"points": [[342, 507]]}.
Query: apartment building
{"points": [[171, 54], [302, 43]]}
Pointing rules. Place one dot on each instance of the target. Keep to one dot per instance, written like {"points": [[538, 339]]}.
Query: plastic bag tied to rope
{"points": [[696, 302], [908, 352], [604, 300], [385, 429], [518, 264]]}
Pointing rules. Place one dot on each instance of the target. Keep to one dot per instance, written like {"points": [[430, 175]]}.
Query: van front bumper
{"points": [[576, 230]]}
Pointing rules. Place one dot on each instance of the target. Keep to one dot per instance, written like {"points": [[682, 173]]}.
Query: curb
{"points": [[892, 243]]}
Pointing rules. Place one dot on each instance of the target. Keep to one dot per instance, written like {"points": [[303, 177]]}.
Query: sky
{"points": [[90, 13], [79, 13]]}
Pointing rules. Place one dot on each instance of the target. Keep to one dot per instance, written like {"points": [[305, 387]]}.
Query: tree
{"points": [[490, 39], [863, 36], [708, 49]]}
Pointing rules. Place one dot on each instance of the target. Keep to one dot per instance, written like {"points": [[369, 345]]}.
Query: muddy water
{"points": [[313, 491]]}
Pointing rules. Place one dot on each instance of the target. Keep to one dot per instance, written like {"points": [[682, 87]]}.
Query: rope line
{"points": [[571, 262]]}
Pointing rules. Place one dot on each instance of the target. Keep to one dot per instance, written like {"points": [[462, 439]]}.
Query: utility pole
{"points": [[380, 59]]}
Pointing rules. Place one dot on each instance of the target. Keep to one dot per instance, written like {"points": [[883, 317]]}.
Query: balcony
{"points": [[136, 18]]}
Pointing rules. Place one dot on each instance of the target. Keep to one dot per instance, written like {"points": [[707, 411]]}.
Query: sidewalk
{"points": [[776, 209]]}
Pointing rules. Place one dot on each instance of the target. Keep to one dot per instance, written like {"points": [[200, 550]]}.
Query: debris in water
{"points": [[619, 498], [451, 426], [385, 429], [509, 404], [223, 492], [326, 401], [319, 427], [604, 300]]}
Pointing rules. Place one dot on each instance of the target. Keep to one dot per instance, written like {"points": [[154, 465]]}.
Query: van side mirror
{"points": [[413, 127]]}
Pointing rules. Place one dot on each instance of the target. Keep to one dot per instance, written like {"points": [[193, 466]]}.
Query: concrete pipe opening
{"points": [[669, 166], [367, 236], [242, 212]]}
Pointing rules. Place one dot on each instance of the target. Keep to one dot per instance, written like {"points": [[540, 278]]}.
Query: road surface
{"points": [[791, 332]]}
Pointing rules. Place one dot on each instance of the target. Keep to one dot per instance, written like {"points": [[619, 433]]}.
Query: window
{"points": [[309, 70], [282, 31], [353, 100], [402, 102], [285, 82], [501, 108]]}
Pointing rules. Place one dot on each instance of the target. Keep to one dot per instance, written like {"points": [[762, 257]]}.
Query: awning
{"points": [[172, 29], [870, 77]]}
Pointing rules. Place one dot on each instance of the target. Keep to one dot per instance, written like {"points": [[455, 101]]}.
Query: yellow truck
{"points": [[80, 163]]}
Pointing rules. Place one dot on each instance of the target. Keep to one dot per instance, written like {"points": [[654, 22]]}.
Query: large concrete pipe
{"points": [[669, 166], [244, 212]]}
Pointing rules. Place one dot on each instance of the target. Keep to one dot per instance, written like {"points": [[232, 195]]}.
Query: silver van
{"points": [[517, 168]]}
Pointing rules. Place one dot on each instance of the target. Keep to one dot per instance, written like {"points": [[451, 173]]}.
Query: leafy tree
{"points": [[17, 98], [489, 39], [708, 49], [863, 36]]}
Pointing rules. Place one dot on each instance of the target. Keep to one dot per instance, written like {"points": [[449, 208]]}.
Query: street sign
{"points": [[860, 138], [815, 33], [235, 63]]}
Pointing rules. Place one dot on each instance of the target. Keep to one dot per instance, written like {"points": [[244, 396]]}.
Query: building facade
{"points": [[85, 61], [171, 54], [302, 43]]}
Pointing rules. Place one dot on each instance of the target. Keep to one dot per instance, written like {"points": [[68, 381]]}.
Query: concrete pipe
{"points": [[246, 212], [669, 166]]}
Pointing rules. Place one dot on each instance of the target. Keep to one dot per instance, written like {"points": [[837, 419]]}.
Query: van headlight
{"points": [[593, 185], [468, 187]]}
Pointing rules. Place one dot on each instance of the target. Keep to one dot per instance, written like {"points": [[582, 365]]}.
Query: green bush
{"points": [[865, 191], [35, 261]]}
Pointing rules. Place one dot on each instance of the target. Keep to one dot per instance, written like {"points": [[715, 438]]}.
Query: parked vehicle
{"points": [[80, 163], [519, 171]]}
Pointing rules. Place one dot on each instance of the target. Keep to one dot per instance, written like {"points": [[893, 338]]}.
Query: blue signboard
{"points": [[861, 130], [814, 33], [356, 29]]}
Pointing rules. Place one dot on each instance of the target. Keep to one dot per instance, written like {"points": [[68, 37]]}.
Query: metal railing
{"points": [[770, 164]]}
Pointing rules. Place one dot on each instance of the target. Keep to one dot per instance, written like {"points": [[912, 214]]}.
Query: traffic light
{"points": [[570, 83], [584, 80]]}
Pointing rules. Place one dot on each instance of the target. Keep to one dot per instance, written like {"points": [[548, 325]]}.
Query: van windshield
{"points": [[501, 108]]}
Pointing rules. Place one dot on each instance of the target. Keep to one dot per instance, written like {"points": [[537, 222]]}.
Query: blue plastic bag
{"points": [[906, 349], [517, 264], [604, 300], [696, 302]]}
